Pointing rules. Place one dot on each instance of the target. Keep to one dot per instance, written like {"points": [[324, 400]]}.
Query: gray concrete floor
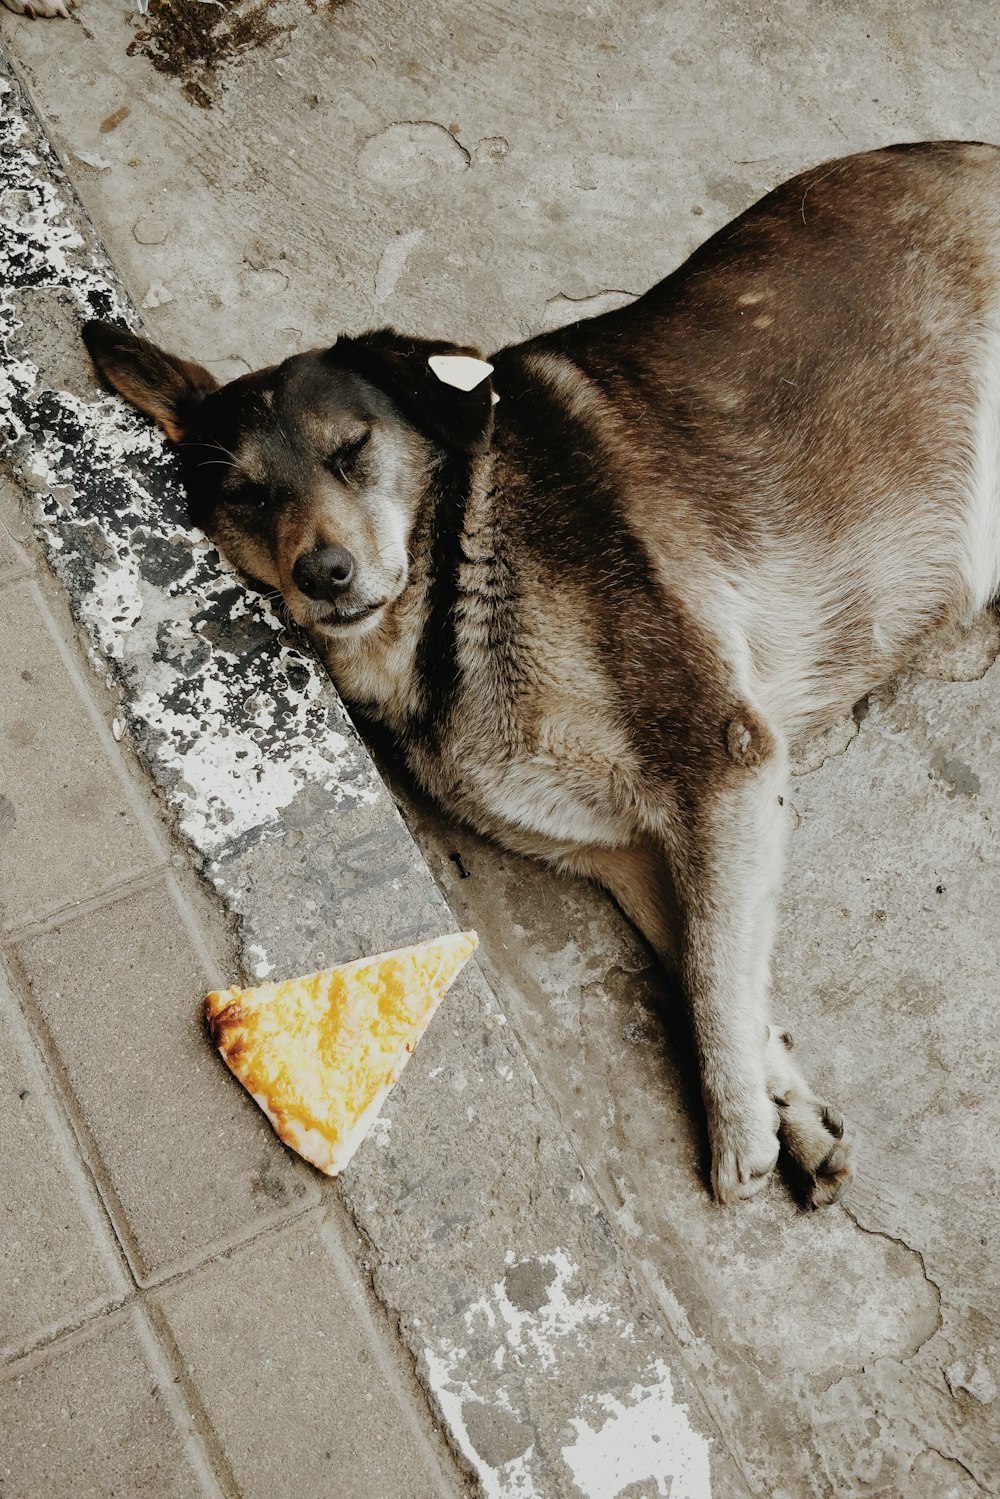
{"points": [[481, 172]]}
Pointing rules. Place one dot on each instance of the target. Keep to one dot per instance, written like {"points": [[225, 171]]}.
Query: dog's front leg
{"points": [[726, 859], [703, 895]]}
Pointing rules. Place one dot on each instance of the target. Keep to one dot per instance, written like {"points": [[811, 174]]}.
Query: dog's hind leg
{"points": [[729, 875], [709, 912]]}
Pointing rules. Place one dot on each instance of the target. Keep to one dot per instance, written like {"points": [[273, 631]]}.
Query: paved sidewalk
{"points": [[183, 1310]]}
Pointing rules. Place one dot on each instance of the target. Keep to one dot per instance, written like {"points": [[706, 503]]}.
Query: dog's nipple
{"points": [[747, 739]]}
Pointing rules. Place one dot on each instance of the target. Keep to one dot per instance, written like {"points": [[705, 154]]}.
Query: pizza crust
{"points": [[321, 1053]]}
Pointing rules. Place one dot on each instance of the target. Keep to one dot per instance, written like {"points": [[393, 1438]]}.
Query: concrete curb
{"points": [[548, 1363]]}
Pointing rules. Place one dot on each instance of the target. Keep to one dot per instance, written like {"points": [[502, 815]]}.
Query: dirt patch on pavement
{"points": [[193, 41]]}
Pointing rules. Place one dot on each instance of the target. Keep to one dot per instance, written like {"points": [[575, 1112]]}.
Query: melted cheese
{"points": [[320, 1054]]}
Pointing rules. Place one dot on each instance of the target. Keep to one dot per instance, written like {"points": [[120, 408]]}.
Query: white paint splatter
{"points": [[545, 1331], [642, 1437], [257, 958], [509, 1480], [551, 1339]]}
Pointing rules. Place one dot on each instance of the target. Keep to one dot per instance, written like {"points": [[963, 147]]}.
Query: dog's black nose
{"points": [[324, 573]]}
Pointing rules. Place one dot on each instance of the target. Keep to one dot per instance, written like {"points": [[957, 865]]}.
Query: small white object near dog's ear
{"points": [[460, 370]]}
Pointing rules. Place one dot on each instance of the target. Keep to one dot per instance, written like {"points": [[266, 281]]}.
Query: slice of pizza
{"points": [[320, 1054]]}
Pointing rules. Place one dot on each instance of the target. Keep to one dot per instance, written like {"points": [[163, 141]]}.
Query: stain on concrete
{"points": [[192, 42], [497, 1436], [527, 1284], [392, 263], [411, 151], [957, 776], [267, 1184], [113, 120], [734, 193], [492, 148]]}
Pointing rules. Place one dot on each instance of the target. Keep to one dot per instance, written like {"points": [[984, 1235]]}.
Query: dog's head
{"points": [[310, 475]]}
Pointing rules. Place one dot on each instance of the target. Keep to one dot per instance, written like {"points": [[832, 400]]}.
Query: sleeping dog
{"points": [[598, 584]]}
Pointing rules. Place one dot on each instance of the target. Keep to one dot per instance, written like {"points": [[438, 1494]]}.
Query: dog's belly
{"points": [[571, 784], [540, 796]]}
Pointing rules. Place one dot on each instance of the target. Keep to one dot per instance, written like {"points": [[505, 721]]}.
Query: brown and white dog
{"points": [[600, 585]]}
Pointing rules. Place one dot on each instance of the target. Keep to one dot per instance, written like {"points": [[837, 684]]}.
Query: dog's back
{"points": [[803, 423]]}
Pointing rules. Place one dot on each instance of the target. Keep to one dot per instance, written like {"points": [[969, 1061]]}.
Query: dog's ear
{"points": [[159, 384], [443, 389]]}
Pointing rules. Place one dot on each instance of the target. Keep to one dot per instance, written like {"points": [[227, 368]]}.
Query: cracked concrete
{"points": [[482, 176], [411, 151]]}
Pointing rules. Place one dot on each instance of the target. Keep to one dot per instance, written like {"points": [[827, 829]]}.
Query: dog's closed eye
{"points": [[342, 461]]}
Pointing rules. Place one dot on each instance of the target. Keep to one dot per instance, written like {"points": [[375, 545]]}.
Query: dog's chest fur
{"points": [[532, 752]]}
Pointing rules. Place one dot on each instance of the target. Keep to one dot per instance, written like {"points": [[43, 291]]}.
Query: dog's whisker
{"points": [[221, 447]]}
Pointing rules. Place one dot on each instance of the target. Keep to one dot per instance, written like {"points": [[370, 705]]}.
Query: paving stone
{"points": [[187, 1158], [58, 1262], [58, 789], [90, 1421], [282, 1351]]}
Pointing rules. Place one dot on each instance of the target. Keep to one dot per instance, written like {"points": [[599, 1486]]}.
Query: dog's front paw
{"points": [[744, 1151]]}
